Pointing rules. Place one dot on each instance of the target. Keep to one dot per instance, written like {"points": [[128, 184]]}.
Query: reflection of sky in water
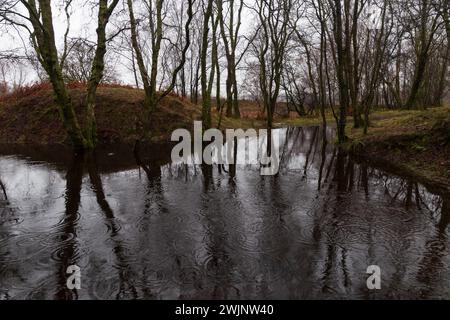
{"points": [[184, 231]]}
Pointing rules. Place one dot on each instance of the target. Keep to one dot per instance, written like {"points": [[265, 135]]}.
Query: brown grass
{"points": [[417, 140], [29, 115]]}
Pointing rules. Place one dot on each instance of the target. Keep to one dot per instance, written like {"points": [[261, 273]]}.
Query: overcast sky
{"points": [[82, 24]]}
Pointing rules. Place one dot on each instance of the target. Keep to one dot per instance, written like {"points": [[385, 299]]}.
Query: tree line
{"points": [[344, 57]]}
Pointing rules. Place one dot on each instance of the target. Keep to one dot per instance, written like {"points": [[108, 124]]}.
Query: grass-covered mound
{"points": [[30, 115]]}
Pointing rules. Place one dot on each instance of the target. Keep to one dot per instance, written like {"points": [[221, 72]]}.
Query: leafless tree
{"points": [[155, 14], [36, 17], [269, 48], [78, 62]]}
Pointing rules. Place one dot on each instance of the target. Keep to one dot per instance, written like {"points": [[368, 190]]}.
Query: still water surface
{"points": [[142, 227]]}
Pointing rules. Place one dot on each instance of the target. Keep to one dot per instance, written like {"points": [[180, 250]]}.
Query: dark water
{"points": [[141, 227]]}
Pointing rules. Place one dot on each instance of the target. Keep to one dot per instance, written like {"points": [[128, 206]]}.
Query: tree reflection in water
{"points": [[142, 227]]}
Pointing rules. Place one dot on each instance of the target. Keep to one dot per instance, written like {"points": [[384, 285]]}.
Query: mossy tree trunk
{"points": [[230, 34], [138, 53], [98, 67], [43, 39], [149, 103], [342, 52]]}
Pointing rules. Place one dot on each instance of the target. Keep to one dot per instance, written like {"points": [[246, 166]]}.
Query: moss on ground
{"points": [[416, 142]]}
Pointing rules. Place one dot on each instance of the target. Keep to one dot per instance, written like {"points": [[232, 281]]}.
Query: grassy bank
{"points": [[30, 116], [414, 142]]}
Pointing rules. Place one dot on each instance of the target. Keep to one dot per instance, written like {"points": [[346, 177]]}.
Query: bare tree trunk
{"points": [[218, 84], [44, 44], [425, 39], [353, 66], [2, 186], [230, 40], [206, 95], [445, 59], [274, 19], [152, 99], [156, 48], [322, 90], [98, 67], [43, 40], [341, 68]]}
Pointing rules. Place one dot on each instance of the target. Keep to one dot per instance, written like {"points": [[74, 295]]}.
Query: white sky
{"points": [[82, 24]]}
